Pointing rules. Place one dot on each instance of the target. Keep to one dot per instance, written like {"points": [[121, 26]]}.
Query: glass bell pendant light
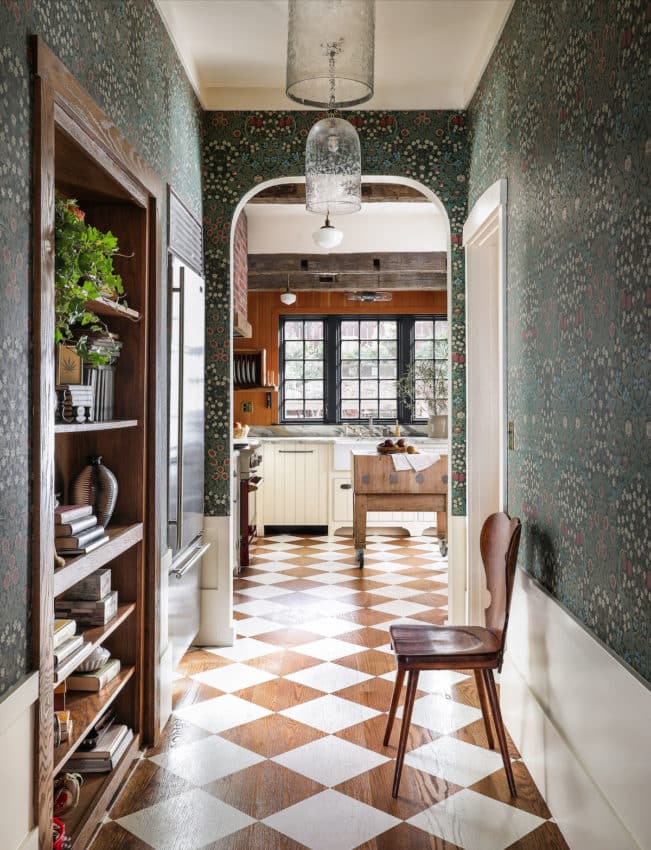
{"points": [[333, 168]]}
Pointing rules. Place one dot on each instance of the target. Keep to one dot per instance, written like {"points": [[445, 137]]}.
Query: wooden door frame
{"points": [[485, 244], [61, 101]]}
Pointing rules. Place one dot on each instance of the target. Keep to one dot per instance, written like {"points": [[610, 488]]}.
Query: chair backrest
{"points": [[499, 543]]}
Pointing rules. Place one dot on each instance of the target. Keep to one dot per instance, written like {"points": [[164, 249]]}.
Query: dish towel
{"points": [[418, 463]]}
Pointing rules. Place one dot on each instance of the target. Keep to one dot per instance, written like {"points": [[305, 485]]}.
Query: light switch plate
{"points": [[247, 407]]}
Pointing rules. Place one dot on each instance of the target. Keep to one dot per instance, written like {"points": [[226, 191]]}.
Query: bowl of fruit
{"points": [[392, 447]]}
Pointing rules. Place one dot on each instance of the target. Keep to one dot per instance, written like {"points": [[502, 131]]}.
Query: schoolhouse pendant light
{"points": [[327, 236], [288, 298], [330, 59]]}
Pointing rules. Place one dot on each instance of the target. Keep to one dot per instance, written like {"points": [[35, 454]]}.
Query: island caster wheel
{"points": [[360, 557], [443, 547]]}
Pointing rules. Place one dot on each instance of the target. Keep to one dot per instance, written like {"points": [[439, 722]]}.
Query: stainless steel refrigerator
{"points": [[186, 451]]}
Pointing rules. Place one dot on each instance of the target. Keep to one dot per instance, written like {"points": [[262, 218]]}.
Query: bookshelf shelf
{"points": [[106, 307], [96, 794], [96, 636], [121, 538], [87, 427], [85, 709]]}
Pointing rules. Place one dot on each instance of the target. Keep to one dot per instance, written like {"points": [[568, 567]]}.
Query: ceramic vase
{"points": [[97, 486], [437, 426]]}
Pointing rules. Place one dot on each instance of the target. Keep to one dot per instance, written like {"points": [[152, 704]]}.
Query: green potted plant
{"points": [[427, 381], [83, 271]]}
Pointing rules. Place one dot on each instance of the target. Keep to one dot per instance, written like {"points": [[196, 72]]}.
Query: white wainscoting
{"points": [[17, 718], [580, 719], [217, 627]]}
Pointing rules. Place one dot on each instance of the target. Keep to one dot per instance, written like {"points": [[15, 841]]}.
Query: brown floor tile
{"points": [[295, 599], [279, 694], [296, 584], [263, 789], [240, 599], [475, 733], [434, 600], [360, 574], [368, 618], [416, 571], [370, 734], [302, 561], [186, 692], [282, 663], [238, 615], [272, 735], [414, 561], [418, 790], [427, 585], [547, 837], [176, 733], [365, 637], [286, 637], [372, 662], [148, 784], [258, 836], [435, 616], [374, 693], [361, 584], [529, 798], [407, 837], [364, 599], [198, 661], [301, 572], [113, 837]]}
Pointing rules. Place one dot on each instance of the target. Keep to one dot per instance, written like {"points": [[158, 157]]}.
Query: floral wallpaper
{"points": [[562, 112], [243, 149], [121, 53]]}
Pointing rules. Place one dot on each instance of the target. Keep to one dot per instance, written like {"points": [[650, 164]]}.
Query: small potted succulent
{"points": [[83, 271]]}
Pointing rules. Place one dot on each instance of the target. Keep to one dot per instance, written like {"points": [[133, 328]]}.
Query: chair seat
{"points": [[415, 642]]}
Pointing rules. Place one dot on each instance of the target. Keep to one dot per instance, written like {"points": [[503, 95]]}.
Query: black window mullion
{"points": [[405, 359], [332, 384]]}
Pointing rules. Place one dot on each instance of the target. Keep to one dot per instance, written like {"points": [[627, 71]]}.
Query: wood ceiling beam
{"points": [[411, 262], [394, 281], [372, 193]]}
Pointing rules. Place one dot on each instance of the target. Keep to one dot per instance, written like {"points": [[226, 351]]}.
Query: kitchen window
{"points": [[351, 368]]}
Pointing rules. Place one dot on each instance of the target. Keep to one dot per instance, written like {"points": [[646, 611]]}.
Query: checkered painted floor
{"points": [[276, 743]]}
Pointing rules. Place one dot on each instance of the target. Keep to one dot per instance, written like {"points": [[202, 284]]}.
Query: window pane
{"points": [[350, 330], [388, 389], [388, 350], [314, 389], [294, 369], [441, 331], [368, 389], [388, 330], [368, 369], [314, 410], [368, 349], [368, 330], [313, 368], [424, 330], [441, 349], [369, 408], [349, 350], [422, 410], [388, 409], [350, 369], [293, 389], [388, 369], [293, 350], [423, 349], [313, 330], [349, 389], [293, 330], [314, 351], [293, 411], [350, 410]]}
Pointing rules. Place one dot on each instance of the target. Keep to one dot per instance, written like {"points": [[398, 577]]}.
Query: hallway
{"points": [[275, 743]]}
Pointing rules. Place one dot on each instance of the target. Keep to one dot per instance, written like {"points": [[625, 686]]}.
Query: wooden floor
{"points": [[276, 742]]}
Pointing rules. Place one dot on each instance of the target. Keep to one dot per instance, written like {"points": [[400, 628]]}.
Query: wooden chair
{"points": [[463, 647]]}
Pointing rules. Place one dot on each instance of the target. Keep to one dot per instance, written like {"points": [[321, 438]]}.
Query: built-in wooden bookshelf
{"points": [[79, 152]]}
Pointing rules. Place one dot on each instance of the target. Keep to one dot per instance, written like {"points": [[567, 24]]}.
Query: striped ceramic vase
{"points": [[97, 486]]}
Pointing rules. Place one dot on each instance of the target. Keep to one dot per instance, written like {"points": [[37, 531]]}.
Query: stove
{"points": [[249, 472]]}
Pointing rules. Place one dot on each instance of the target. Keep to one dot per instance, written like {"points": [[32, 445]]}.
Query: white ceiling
{"points": [[386, 227], [429, 54]]}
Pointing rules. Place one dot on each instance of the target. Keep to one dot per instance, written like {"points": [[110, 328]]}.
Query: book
{"points": [[63, 629], [60, 697], [81, 540], [68, 513], [69, 664], [67, 648], [65, 725], [107, 743], [84, 550], [96, 680], [86, 612], [93, 588], [100, 765], [66, 529]]}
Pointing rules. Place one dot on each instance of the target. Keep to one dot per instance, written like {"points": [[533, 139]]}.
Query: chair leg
{"points": [[395, 699], [412, 682], [481, 690], [499, 728]]}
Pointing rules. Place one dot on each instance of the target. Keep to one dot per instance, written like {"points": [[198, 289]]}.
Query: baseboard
{"points": [[17, 721], [580, 720]]}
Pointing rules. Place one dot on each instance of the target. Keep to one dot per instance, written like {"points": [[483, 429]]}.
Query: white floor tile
{"points": [[206, 760], [233, 677], [396, 592], [333, 608], [442, 715], [431, 681], [165, 825], [400, 621], [327, 578], [476, 822], [329, 591], [263, 591], [457, 761], [331, 821], [330, 760], [383, 579], [221, 713], [270, 566], [330, 626], [282, 546], [277, 553], [330, 713], [266, 578], [244, 648], [329, 649], [400, 608], [328, 677], [252, 626], [258, 607]]}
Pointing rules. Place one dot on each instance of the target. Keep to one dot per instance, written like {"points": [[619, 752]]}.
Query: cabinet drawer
{"points": [[342, 499]]}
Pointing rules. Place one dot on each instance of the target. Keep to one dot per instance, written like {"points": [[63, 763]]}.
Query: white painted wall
{"points": [[288, 228], [580, 719]]}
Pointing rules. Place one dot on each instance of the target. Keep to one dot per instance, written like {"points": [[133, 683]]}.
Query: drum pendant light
{"points": [[330, 57]]}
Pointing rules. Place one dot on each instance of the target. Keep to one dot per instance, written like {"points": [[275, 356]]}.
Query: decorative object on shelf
{"points": [[67, 788], [97, 486], [75, 402], [69, 365], [287, 297], [83, 271], [58, 834], [249, 368], [327, 236], [98, 657], [330, 59]]}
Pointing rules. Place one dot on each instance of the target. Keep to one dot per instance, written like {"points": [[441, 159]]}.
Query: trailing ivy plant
{"points": [[83, 271]]}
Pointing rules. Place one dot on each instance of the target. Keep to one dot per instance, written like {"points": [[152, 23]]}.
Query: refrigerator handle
{"points": [[179, 572], [180, 451]]}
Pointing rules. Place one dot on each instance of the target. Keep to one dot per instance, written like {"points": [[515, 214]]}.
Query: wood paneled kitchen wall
{"points": [[265, 309]]}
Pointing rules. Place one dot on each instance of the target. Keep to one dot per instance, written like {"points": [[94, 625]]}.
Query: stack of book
{"points": [[110, 747], [88, 612], [75, 403], [70, 649], [102, 378], [76, 530], [96, 680]]}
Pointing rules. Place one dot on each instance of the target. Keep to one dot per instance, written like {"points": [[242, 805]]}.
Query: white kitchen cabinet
{"points": [[295, 489]]}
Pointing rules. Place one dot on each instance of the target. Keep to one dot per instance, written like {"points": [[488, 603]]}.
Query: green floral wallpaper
{"points": [[121, 53], [243, 149], [563, 112]]}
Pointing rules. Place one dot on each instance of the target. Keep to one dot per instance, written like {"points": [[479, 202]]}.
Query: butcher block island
{"points": [[308, 482]]}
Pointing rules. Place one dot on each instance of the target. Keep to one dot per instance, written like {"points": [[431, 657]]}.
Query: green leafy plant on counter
{"points": [[83, 271], [430, 378]]}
